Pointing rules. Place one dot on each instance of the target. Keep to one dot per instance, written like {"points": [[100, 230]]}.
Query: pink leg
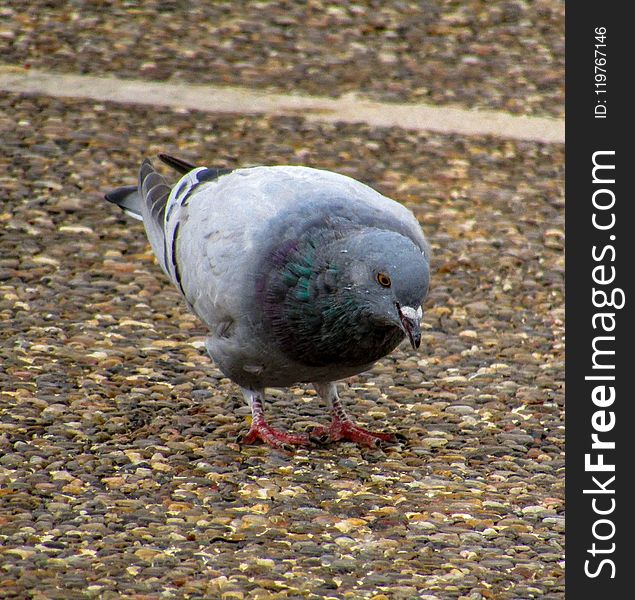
{"points": [[261, 431], [342, 427]]}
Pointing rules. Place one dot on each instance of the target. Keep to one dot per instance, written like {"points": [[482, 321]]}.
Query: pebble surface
{"points": [[120, 476], [504, 55]]}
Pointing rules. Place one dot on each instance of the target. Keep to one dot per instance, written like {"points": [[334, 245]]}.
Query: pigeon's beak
{"points": [[411, 323]]}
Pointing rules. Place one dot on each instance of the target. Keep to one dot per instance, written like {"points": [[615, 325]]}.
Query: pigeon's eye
{"points": [[383, 279]]}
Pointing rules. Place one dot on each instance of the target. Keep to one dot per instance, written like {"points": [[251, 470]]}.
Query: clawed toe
{"points": [[263, 433], [348, 431]]}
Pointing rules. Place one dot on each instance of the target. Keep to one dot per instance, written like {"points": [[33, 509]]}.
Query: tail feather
{"points": [[178, 164], [127, 198], [157, 197], [154, 191], [151, 194], [148, 201]]}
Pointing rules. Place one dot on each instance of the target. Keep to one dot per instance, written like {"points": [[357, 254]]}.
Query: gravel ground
{"points": [[506, 55], [119, 473]]}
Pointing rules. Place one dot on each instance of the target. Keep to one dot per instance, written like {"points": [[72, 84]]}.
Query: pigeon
{"points": [[301, 275]]}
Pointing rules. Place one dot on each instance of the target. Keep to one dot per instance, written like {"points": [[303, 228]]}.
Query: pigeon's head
{"points": [[388, 276]]}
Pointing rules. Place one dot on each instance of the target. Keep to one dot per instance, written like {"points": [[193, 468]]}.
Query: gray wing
{"points": [[163, 209], [146, 201]]}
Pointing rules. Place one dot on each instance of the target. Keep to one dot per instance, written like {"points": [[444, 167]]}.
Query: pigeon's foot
{"points": [[346, 430], [342, 426], [260, 431]]}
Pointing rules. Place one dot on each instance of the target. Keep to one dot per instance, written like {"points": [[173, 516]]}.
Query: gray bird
{"points": [[301, 275]]}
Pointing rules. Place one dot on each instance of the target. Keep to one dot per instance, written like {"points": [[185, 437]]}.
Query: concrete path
{"points": [[348, 109]]}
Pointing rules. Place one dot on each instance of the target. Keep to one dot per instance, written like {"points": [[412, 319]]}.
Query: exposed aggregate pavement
{"points": [[504, 55], [119, 475]]}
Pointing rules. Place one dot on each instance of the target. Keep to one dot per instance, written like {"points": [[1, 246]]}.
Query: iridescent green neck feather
{"points": [[311, 308]]}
